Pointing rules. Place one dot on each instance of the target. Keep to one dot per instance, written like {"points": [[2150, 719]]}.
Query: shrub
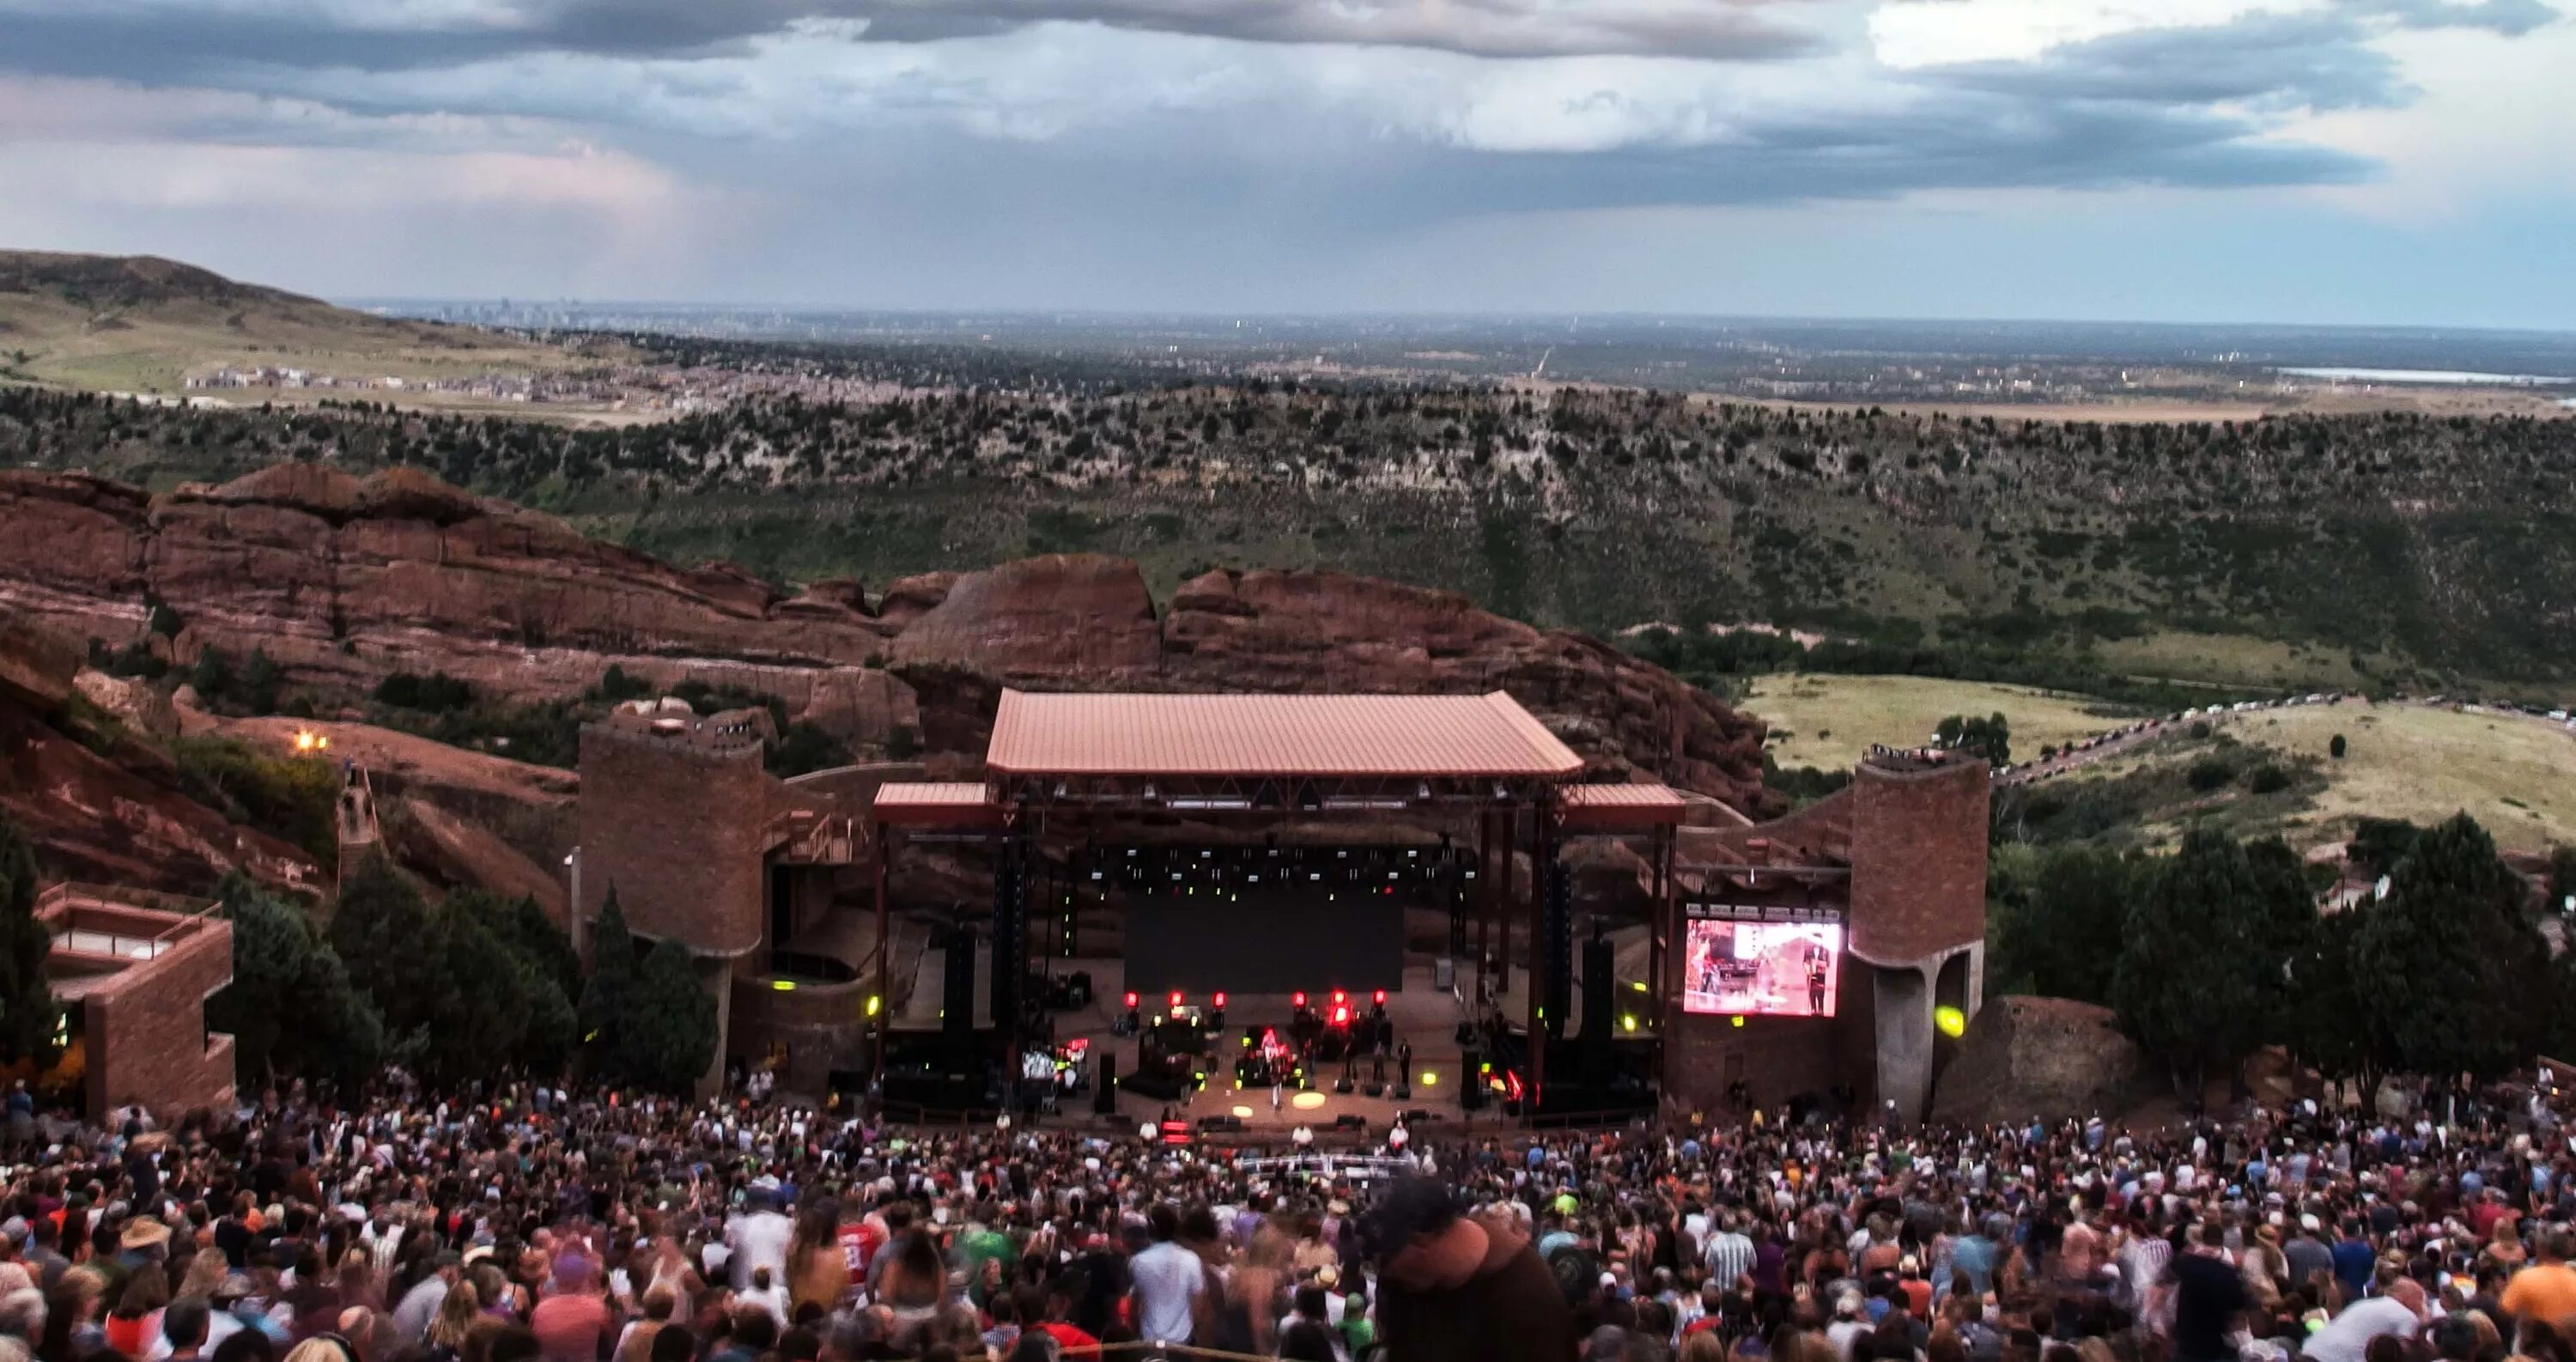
{"points": [[2267, 778], [436, 693], [2335, 749], [2210, 773]]}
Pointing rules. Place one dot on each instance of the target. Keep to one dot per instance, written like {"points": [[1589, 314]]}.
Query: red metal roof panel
{"points": [[1273, 735]]}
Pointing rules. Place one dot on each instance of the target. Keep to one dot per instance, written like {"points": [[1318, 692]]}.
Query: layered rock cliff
{"points": [[344, 580]]}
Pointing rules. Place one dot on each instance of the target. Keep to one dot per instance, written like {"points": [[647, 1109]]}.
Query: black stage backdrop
{"points": [[1268, 941]]}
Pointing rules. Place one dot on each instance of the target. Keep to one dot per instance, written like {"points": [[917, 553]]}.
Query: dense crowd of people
{"points": [[526, 1223]]}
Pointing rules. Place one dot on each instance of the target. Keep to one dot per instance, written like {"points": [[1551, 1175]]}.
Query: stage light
{"points": [[1297, 999], [1220, 998], [1952, 1021], [1739, 1022], [1131, 999], [1341, 1016], [1176, 997], [1639, 985], [783, 985], [1340, 997], [1628, 1021], [1430, 1079], [874, 1003], [1380, 998]]}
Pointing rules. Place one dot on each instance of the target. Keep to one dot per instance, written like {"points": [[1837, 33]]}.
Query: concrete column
{"points": [[1903, 1003], [711, 1082]]}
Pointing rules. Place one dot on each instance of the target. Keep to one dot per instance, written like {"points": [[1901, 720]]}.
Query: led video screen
{"points": [[1263, 942], [1766, 969]]}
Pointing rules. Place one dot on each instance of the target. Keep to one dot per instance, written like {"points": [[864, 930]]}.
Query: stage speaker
{"points": [[957, 988], [1375, 1089], [1104, 1085], [1159, 1087], [1010, 935], [1457, 915], [1555, 947], [1600, 1004], [1471, 1083], [1342, 1086], [1401, 1092]]}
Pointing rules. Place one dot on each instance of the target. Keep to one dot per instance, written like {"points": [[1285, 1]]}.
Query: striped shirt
{"points": [[1729, 1255]]}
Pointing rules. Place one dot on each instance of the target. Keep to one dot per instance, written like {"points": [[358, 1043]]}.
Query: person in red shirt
{"points": [[571, 1324], [861, 1236]]}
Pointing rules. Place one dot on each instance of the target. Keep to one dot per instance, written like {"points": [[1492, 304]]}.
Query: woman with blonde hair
{"points": [[207, 1269], [457, 1312], [1704, 1346]]}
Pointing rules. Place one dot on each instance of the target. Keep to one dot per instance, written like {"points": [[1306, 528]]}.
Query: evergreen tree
{"points": [[2328, 1010], [29, 1012], [2193, 983], [666, 1039], [2453, 961], [290, 1008], [2058, 920], [612, 980]]}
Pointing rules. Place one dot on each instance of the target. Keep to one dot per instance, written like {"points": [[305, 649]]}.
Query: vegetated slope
{"points": [[144, 324], [2273, 771], [1828, 721], [2407, 550]]}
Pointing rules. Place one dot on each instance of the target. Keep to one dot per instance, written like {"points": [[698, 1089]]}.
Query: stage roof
{"points": [[1425, 736], [934, 804], [1619, 808]]}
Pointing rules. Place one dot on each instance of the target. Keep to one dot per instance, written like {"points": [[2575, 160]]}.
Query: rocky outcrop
{"points": [[2046, 1057], [343, 580]]}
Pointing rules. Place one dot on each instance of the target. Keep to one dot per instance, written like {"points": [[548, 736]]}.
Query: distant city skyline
{"points": [[2331, 162]]}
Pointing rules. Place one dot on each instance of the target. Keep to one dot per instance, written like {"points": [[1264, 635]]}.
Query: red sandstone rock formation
{"points": [[343, 580]]}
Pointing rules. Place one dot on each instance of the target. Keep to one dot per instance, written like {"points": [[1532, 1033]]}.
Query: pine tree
{"points": [[667, 1038], [612, 981], [2452, 960], [29, 1012], [2195, 983]]}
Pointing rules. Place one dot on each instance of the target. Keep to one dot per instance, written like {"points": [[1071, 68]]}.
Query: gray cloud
{"points": [[2270, 62]]}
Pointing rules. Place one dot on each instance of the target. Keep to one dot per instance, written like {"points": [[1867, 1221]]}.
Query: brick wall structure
{"points": [[140, 973], [678, 820]]}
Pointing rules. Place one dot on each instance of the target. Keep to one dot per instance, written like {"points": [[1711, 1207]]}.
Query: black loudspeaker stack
{"points": [[1010, 937], [1555, 947], [1471, 1079], [1104, 1090], [1600, 1001], [1457, 911], [957, 990]]}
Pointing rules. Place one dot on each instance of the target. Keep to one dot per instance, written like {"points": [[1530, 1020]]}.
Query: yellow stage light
{"points": [[1952, 1021], [1628, 1022], [1739, 1021], [1243, 1113], [1307, 1100], [874, 1002], [1430, 1079], [783, 985]]}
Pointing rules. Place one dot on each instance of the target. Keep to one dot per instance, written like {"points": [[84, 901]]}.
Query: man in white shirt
{"points": [[2348, 1335], [758, 1237], [1169, 1281]]}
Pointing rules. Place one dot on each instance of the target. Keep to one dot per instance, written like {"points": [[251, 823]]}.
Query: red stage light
{"points": [[1176, 997], [1380, 999], [1297, 999], [1131, 1001], [1341, 1016], [1340, 997], [1220, 999]]}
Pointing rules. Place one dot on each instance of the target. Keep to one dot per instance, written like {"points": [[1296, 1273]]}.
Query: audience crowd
{"points": [[520, 1223]]}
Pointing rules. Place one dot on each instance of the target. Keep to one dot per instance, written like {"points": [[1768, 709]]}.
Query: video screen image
{"points": [[1767, 969]]}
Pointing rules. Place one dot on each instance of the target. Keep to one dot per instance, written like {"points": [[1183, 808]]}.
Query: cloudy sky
{"points": [[2373, 161]]}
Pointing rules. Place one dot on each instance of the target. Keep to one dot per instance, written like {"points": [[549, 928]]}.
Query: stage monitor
{"points": [[1766, 969]]}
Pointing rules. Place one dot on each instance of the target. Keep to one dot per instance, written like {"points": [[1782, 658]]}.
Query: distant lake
{"points": [[2453, 376]]}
